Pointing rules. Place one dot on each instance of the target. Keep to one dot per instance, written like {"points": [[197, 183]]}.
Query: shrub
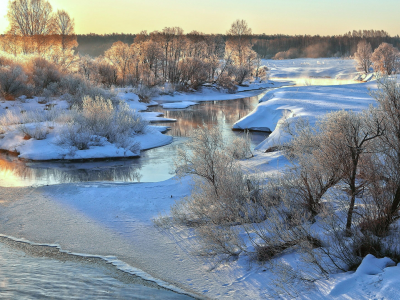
{"points": [[386, 59], [44, 73], [77, 88], [98, 120], [12, 82], [37, 131], [226, 82], [145, 93]]}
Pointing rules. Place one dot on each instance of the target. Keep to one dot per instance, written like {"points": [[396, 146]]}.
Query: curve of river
{"points": [[154, 165], [29, 272]]}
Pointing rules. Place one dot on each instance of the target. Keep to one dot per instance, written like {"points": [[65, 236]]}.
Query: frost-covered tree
{"points": [[363, 57], [30, 17], [239, 41], [386, 59], [388, 97], [64, 26], [120, 55]]}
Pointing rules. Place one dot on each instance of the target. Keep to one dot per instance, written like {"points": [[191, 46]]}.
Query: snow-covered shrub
{"points": [[78, 88], [226, 82], [44, 73], [36, 131], [241, 147], [33, 116], [222, 194], [145, 93], [98, 120], [11, 118], [13, 82]]}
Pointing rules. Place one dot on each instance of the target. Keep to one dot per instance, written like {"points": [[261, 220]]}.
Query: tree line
{"points": [[266, 46]]}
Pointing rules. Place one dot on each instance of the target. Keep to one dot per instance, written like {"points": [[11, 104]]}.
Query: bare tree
{"points": [[388, 97], [363, 57], [121, 56], [64, 26], [30, 17], [239, 39], [349, 136], [386, 59]]}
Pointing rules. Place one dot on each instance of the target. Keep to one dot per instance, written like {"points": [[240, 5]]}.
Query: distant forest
{"points": [[267, 46]]}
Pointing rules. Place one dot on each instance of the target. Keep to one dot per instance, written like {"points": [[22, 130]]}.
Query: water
{"points": [[153, 165], [28, 274]]}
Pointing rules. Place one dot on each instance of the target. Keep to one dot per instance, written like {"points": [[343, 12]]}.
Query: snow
{"points": [[384, 285], [183, 104], [303, 68], [48, 149], [311, 102], [154, 117], [212, 94], [113, 220]]}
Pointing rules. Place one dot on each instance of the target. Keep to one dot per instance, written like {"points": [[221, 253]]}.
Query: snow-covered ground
{"points": [[111, 219], [14, 139], [114, 221], [307, 68], [213, 94], [311, 102]]}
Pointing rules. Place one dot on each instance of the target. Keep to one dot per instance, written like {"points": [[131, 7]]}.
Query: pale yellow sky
{"points": [[324, 17]]}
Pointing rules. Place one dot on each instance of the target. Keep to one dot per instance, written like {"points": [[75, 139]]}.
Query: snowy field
{"points": [[115, 220], [308, 68]]}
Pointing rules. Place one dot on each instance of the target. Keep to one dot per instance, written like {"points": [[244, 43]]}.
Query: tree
{"points": [[388, 97], [120, 55], [386, 59], [363, 57], [239, 41], [64, 26], [30, 17]]}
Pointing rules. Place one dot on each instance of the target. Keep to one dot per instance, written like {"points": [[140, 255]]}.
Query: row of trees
{"points": [[385, 59], [267, 46], [35, 29], [166, 56], [188, 60], [284, 46]]}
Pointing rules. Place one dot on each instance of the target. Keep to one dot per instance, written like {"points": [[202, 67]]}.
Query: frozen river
{"points": [[154, 165]]}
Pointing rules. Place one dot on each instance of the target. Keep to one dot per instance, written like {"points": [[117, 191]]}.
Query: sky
{"points": [[323, 17]]}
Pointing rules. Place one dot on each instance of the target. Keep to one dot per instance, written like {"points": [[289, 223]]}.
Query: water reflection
{"points": [[153, 165], [215, 113]]}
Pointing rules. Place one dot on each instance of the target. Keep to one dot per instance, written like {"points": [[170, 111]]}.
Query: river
{"points": [[154, 165], [29, 272]]}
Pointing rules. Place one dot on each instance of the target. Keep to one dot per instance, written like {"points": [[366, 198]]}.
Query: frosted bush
{"points": [[44, 73], [241, 147], [145, 93], [10, 118], [37, 131], [98, 120], [35, 116], [78, 88], [12, 82]]}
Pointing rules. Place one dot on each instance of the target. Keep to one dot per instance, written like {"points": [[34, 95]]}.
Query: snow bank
{"points": [[310, 102], [47, 148], [372, 278], [210, 94], [183, 104], [332, 68]]}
